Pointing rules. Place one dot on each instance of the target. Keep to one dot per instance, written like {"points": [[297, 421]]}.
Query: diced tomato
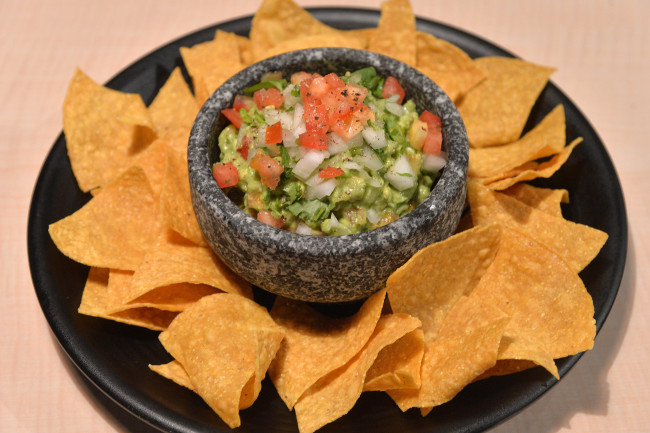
{"points": [[347, 127], [269, 169], [356, 93], [298, 77], [232, 115], [225, 174], [245, 146], [433, 141], [267, 217], [316, 119], [266, 97], [363, 113], [273, 134], [393, 87], [329, 172], [432, 121], [333, 81], [313, 140], [242, 101]]}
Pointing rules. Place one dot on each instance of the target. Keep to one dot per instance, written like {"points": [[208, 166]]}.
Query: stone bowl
{"points": [[324, 269]]}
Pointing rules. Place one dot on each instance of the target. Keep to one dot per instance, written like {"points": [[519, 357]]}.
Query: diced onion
{"points": [[298, 120], [286, 119], [369, 159], [289, 99], [373, 216], [351, 165], [336, 144], [434, 162], [271, 115], [334, 221], [308, 163], [401, 174], [303, 229], [374, 182], [261, 136], [289, 139], [395, 108], [321, 190], [355, 141], [376, 138]]}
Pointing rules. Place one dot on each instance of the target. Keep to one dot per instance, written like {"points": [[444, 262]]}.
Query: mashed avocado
{"points": [[330, 155]]}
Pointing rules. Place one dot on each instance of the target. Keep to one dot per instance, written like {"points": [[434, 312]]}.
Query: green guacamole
{"points": [[366, 175]]}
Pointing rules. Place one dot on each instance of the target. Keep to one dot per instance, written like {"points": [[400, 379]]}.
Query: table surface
{"points": [[601, 49]]}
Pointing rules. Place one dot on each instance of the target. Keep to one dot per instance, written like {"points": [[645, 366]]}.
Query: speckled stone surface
{"points": [[324, 268]]}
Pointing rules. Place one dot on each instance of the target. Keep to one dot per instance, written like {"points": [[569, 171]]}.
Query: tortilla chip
{"points": [[546, 299], [277, 21], [545, 139], [175, 372], [115, 229], [466, 346], [447, 65], [218, 342], [211, 63], [397, 365], [429, 284], [104, 130], [315, 41], [176, 201], [96, 302], [174, 109], [336, 393], [578, 244], [544, 199], [496, 110], [395, 35], [518, 345], [316, 344], [174, 260], [533, 170]]}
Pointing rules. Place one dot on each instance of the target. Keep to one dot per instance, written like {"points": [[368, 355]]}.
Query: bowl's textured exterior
{"points": [[324, 268]]}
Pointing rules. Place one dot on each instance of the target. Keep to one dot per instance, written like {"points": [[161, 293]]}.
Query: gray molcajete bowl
{"points": [[324, 268]]}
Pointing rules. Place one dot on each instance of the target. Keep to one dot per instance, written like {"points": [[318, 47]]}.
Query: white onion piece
{"points": [[298, 118], [289, 99], [351, 165], [240, 135], [289, 139], [355, 141], [401, 174], [395, 108], [376, 138], [392, 98], [374, 182], [271, 115], [336, 144], [321, 190], [372, 216], [261, 136], [286, 119], [314, 180], [308, 163], [369, 159], [303, 229], [334, 221], [434, 162]]}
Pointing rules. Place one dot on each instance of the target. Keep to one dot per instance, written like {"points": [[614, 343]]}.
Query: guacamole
{"points": [[331, 154]]}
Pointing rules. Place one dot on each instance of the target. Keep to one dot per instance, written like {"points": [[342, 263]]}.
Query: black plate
{"points": [[114, 356]]}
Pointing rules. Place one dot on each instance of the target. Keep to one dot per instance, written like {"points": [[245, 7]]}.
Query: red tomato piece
{"points": [[242, 101], [273, 134], [267, 217], [298, 77], [266, 97], [329, 172], [316, 119], [233, 115], [313, 140], [356, 93], [225, 174], [333, 81], [347, 127], [268, 168], [393, 87], [245, 146], [433, 141]]}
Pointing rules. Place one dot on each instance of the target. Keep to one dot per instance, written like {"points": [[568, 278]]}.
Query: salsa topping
{"points": [[328, 154]]}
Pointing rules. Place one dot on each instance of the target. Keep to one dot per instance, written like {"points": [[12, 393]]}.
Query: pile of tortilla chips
{"points": [[500, 296]]}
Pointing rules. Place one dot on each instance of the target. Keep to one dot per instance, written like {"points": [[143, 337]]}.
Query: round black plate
{"points": [[115, 357]]}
